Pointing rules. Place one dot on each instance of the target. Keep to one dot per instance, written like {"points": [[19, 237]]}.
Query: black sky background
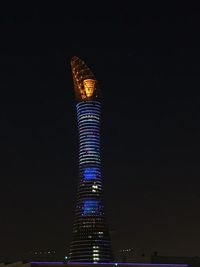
{"points": [[147, 61]]}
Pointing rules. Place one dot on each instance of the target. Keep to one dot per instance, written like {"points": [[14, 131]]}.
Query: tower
{"points": [[90, 237]]}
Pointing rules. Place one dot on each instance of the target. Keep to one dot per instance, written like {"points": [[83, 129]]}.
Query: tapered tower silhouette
{"points": [[90, 241]]}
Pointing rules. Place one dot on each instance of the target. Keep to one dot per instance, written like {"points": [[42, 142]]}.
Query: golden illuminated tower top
{"points": [[85, 84]]}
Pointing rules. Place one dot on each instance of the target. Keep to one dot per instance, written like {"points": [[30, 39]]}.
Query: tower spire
{"points": [[83, 80]]}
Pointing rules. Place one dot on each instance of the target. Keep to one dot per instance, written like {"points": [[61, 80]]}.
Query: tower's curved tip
{"points": [[74, 58], [85, 83]]}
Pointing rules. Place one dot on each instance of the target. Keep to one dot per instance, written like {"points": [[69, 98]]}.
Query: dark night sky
{"points": [[147, 61]]}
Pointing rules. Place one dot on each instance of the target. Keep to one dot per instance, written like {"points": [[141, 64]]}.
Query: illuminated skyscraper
{"points": [[91, 242]]}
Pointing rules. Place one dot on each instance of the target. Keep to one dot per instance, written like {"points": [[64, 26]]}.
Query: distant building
{"points": [[91, 241], [48, 255]]}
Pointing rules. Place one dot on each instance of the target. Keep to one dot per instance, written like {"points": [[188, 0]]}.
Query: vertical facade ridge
{"points": [[90, 237]]}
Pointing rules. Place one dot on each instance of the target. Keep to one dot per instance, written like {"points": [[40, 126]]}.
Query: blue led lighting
{"points": [[90, 173], [111, 263], [90, 207], [132, 264]]}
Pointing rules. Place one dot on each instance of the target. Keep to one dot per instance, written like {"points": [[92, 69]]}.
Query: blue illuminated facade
{"points": [[91, 242], [90, 173], [91, 207]]}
